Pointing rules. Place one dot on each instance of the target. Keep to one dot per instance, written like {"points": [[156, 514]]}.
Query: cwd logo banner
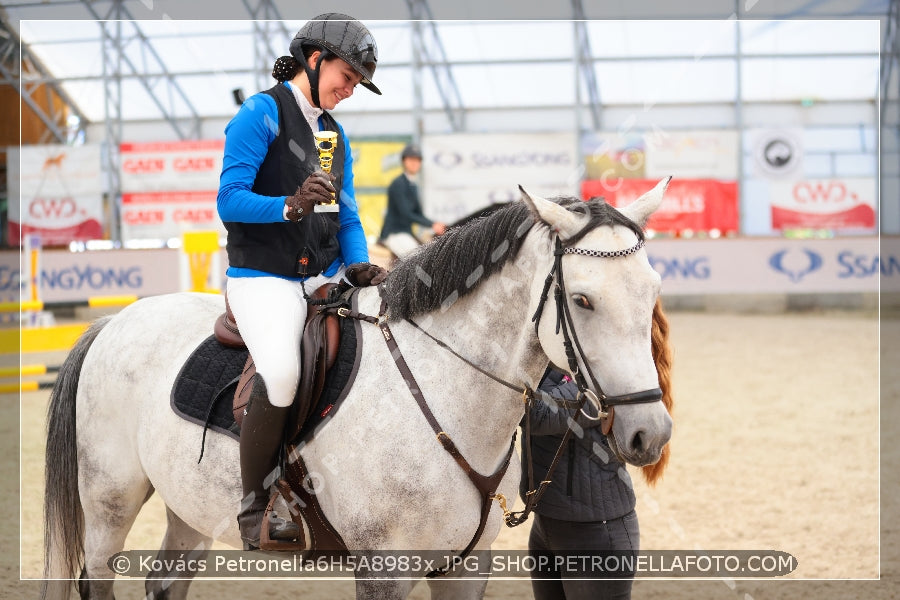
{"points": [[824, 204], [169, 188], [55, 191]]}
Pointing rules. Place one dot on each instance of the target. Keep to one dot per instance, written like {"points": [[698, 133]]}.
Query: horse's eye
{"points": [[582, 301]]}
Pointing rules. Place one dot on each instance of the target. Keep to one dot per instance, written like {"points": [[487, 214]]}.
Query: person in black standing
{"points": [[588, 508]]}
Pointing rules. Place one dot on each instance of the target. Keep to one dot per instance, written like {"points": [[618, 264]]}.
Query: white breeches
{"points": [[270, 313], [401, 244]]}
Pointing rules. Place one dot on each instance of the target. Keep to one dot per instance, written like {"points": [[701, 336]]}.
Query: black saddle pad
{"points": [[204, 390]]}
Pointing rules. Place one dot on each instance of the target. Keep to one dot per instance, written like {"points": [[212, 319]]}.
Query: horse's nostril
{"points": [[637, 442]]}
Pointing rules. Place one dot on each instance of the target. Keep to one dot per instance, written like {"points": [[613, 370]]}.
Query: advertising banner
{"points": [[689, 204], [463, 173], [700, 154], [55, 191], [375, 165], [162, 215], [686, 267], [780, 266], [171, 166], [170, 187], [697, 154], [777, 153], [824, 204], [611, 155]]}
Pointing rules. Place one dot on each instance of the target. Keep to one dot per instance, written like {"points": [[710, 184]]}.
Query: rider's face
{"points": [[337, 80]]}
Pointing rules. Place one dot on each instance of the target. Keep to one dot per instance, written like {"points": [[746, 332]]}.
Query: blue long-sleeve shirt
{"points": [[247, 139]]}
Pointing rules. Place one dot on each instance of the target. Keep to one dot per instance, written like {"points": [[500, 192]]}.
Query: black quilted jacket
{"points": [[589, 483]]}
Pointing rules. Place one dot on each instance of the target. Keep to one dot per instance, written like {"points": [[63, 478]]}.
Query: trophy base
{"points": [[326, 208]]}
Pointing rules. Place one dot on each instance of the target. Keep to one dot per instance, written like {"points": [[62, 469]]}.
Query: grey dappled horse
{"points": [[386, 483]]}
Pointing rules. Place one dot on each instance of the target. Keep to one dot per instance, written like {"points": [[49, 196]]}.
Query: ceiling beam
{"points": [[119, 30], [21, 69], [428, 51], [585, 63]]}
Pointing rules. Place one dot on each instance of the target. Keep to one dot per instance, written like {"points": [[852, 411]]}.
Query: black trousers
{"points": [[577, 578]]}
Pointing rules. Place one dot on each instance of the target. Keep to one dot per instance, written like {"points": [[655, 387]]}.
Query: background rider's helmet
{"points": [[339, 35], [411, 151]]}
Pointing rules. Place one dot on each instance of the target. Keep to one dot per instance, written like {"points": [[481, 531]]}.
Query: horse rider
{"points": [[279, 248], [404, 209]]}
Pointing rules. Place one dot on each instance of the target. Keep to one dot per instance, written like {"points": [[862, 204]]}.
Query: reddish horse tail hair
{"points": [[662, 356]]}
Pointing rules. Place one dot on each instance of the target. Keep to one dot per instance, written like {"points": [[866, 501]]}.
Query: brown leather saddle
{"points": [[319, 347]]}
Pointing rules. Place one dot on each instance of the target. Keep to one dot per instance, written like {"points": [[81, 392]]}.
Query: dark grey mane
{"points": [[453, 264]]}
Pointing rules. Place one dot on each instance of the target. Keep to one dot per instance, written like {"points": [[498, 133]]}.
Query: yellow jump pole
{"points": [[25, 386], [28, 370]]}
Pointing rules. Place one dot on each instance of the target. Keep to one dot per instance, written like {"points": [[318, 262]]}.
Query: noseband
{"points": [[571, 343]]}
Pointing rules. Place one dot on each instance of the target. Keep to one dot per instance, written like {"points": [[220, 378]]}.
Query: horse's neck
{"points": [[491, 327]]}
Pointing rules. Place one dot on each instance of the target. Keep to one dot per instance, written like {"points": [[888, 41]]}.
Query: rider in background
{"points": [[279, 249], [587, 508], [404, 208]]}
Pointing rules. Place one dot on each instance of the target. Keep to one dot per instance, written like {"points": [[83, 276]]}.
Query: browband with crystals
{"points": [[605, 253]]}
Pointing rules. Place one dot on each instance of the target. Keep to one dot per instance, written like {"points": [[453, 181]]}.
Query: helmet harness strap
{"points": [[313, 76]]}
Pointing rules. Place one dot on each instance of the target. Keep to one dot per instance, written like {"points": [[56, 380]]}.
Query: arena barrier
{"points": [[55, 337], [23, 339], [26, 371], [96, 302]]}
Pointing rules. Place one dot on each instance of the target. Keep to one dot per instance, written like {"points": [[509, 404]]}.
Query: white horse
{"points": [[385, 481]]}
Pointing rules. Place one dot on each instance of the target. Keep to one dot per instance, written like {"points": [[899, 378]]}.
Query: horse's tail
{"points": [[63, 516], [662, 356]]}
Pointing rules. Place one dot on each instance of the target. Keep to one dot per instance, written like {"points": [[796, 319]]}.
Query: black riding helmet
{"points": [[342, 36], [411, 151]]}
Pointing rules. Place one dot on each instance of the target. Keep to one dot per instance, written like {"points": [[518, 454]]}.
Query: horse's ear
{"points": [[641, 209], [558, 218]]}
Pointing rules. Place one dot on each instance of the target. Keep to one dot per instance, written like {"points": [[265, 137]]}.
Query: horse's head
{"points": [[606, 292]]}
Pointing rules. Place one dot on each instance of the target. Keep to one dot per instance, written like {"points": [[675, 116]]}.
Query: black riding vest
{"points": [[292, 249]]}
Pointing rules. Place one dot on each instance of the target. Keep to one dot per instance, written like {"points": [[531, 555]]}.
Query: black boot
{"points": [[261, 437]]}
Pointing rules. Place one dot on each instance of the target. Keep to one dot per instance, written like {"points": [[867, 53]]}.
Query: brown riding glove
{"points": [[364, 274], [317, 189]]}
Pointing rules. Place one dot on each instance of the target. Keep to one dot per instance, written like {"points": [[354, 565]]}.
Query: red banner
{"points": [[170, 187], [824, 204], [689, 204], [56, 191]]}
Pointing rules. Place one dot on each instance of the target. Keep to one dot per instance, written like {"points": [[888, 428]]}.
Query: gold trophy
{"points": [[326, 142]]}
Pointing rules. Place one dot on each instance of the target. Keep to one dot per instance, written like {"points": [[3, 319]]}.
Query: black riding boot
{"points": [[261, 436]]}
